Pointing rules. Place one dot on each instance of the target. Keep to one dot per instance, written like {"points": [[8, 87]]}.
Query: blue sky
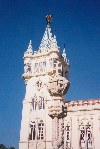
{"points": [[76, 23]]}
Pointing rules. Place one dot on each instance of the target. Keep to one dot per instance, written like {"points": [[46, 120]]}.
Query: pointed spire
{"points": [[48, 39], [30, 47]]}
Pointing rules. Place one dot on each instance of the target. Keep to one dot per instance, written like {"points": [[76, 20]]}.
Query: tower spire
{"points": [[48, 39]]}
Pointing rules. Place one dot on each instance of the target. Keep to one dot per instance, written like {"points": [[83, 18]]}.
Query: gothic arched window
{"points": [[86, 140], [41, 130], [33, 131]]}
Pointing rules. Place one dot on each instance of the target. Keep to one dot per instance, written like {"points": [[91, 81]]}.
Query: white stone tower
{"points": [[46, 78]]}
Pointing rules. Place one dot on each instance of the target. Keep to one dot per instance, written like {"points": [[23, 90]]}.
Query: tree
{"points": [[2, 146], [11, 147]]}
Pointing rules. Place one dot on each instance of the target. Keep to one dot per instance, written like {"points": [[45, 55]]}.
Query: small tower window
{"points": [[41, 104], [27, 68], [34, 104], [44, 66], [41, 130], [66, 74], [41, 67], [33, 131], [36, 67]]}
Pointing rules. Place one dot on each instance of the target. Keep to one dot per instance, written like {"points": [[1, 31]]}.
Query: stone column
{"points": [[55, 132]]}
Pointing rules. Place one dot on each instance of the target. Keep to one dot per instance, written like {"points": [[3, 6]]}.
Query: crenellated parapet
{"points": [[83, 102], [83, 105]]}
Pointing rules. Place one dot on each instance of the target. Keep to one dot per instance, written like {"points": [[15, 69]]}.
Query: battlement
{"points": [[83, 105]]}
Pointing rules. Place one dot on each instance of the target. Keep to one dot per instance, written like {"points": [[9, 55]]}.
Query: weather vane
{"points": [[49, 17]]}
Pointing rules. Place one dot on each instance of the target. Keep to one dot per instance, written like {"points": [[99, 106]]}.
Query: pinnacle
{"points": [[30, 47]]}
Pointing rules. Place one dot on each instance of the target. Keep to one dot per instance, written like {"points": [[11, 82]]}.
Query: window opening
{"points": [[41, 104], [86, 137], [34, 104], [41, 130], [33, 131], [67, 128]]}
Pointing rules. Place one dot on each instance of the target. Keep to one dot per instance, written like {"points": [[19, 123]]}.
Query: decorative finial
{"points": [[64, 45], [49, 17], [64, 48], [64, 53]]}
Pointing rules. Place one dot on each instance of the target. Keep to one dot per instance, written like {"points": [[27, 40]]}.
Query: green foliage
{"points": [[11, 147], [4, 147]]}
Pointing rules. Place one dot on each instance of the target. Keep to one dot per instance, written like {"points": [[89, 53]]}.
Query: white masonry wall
{"points": [[82, 112]]}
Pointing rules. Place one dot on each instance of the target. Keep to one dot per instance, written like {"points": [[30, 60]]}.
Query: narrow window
{"points": [[41, 130], [82, 137], [41, 67], [67, 133], [41, 104], [33, 131], [27, 68], [44, 66], [89, 136], [66, 74], [34, 104], [36, 67]]}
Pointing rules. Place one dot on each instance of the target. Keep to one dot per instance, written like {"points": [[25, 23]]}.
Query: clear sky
{"points": [[76, 23]]}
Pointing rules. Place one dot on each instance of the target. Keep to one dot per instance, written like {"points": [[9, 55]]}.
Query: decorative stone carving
{"points": [[55, 109], [58, 85]]}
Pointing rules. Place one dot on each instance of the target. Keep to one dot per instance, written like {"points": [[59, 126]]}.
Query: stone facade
{"points": [[48, 122]]}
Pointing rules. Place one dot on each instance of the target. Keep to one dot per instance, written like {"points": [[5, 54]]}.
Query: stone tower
{"points": [[46, 77]]}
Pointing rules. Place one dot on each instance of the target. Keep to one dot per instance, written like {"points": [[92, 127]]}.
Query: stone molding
{"points": [[83, 102]]}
